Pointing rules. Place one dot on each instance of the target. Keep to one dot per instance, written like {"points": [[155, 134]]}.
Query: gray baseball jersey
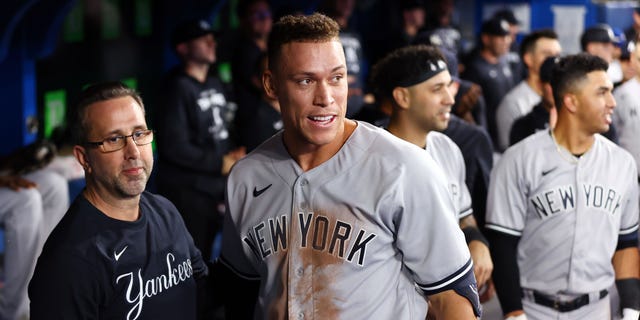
{"points": [[569, 212], [626, 117], [349, 239], [449, 157]]}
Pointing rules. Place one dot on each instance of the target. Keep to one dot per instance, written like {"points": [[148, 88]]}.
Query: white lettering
{"points": [[154, 286]]}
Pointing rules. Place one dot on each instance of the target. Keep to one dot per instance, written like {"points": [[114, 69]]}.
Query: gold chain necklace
{"points": [[564, 153]]}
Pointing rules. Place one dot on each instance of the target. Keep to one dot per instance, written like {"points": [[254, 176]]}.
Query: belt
{"points": [[565, 306]]}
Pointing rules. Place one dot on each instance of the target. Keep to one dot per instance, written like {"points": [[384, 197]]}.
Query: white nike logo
{"points": [[117, 255]]}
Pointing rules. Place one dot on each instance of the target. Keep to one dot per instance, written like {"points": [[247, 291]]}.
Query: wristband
{"points": [[629, 292], [472, 233], [518, 317]]}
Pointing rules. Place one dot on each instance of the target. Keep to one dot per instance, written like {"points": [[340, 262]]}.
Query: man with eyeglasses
{"points": [[119, 252]]}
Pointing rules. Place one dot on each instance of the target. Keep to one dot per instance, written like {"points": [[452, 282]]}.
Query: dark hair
{"points": [[409, 62], [97, 93], [529, 42], [570, 71], [314, 28]]}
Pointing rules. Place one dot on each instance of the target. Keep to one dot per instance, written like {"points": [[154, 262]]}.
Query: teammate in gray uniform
{"points": [[338, 219], [563, 208], [421, 106]]}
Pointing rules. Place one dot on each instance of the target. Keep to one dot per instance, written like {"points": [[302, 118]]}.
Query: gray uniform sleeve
{"points": [[433, 246], [630, 209], [506, 201]]}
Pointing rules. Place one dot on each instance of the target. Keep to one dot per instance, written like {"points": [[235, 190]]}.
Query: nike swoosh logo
{"points": [[544, 173], [257, 192], [117, 255]]}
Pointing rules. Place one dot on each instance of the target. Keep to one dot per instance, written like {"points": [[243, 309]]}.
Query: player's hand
{"points": [[482, 264], [229, 159], [487, 291], [16, 183], [469, 100]]}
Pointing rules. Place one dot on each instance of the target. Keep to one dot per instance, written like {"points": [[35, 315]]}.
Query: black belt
{"points": [[565, 306]]}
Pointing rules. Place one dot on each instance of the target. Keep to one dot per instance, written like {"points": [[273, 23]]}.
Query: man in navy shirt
{"points": [[119, 252]]}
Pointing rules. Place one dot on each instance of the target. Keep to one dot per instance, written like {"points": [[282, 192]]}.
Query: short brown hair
{"points": [[314, 28], [96, 93]]}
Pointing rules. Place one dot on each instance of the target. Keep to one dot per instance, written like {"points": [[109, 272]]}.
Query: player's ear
{"points": [[570, 102], [81, 155], [181, 49], [269, 84], [401, 97]]}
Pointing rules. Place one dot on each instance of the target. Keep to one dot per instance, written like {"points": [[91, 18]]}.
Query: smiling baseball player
{"points": [[338, 219], [415, 82], [563, 208]]}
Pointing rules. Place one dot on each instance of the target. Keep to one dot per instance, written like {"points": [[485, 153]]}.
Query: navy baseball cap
{"points": [[190, 30], [601, 32], [508, 15], [495, 27]]}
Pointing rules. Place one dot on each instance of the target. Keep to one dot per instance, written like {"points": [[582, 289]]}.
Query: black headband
{"points": [[433, 69]]}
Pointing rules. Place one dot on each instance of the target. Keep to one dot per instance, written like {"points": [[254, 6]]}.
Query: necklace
{"points": [[564, 153]]}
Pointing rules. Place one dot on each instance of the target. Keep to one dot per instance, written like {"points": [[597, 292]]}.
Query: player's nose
{"points": [[323, 94]]}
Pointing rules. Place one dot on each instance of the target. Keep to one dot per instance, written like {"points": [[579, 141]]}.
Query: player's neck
{"points": [[119, 209], [406, 131], [309, 156], [197, 70], [573, 139], [488, 56], [534, 82]]}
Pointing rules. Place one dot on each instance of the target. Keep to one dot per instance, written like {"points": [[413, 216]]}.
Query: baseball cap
{"points": [[619, 38], [495, 27], [506, 14], [190, 30], [601, 32], [546, 68]]}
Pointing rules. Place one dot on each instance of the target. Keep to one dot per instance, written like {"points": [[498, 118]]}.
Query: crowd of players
{"points": [[555, 222]]}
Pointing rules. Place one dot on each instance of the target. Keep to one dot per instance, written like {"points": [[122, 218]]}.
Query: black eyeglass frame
{"points": [[144, 133]]}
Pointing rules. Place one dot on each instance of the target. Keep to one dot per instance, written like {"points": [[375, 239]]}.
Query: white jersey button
{"points": [[299, 272], [304, 182], [300, 315]]}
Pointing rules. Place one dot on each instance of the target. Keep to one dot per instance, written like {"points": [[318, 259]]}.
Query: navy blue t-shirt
{"points": [[96, 267]]}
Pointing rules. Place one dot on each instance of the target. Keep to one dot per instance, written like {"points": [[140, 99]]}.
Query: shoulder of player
{"points": [[157, 204], [626, 91], [443, 143], [270, 150], [615, 151], [529, 146], [514, 96], [395, 152]]}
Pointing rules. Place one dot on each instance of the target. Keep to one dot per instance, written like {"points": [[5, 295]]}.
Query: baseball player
{"points": [[563, 208], [414, 80], [627, 117], [338, 219]]}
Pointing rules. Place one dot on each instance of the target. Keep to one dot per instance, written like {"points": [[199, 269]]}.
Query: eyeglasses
{"points": [[115, 143]]}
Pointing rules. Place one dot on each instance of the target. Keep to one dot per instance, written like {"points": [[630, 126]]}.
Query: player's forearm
{"points": [[626, 263], [450, 305], [506, 275]]}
